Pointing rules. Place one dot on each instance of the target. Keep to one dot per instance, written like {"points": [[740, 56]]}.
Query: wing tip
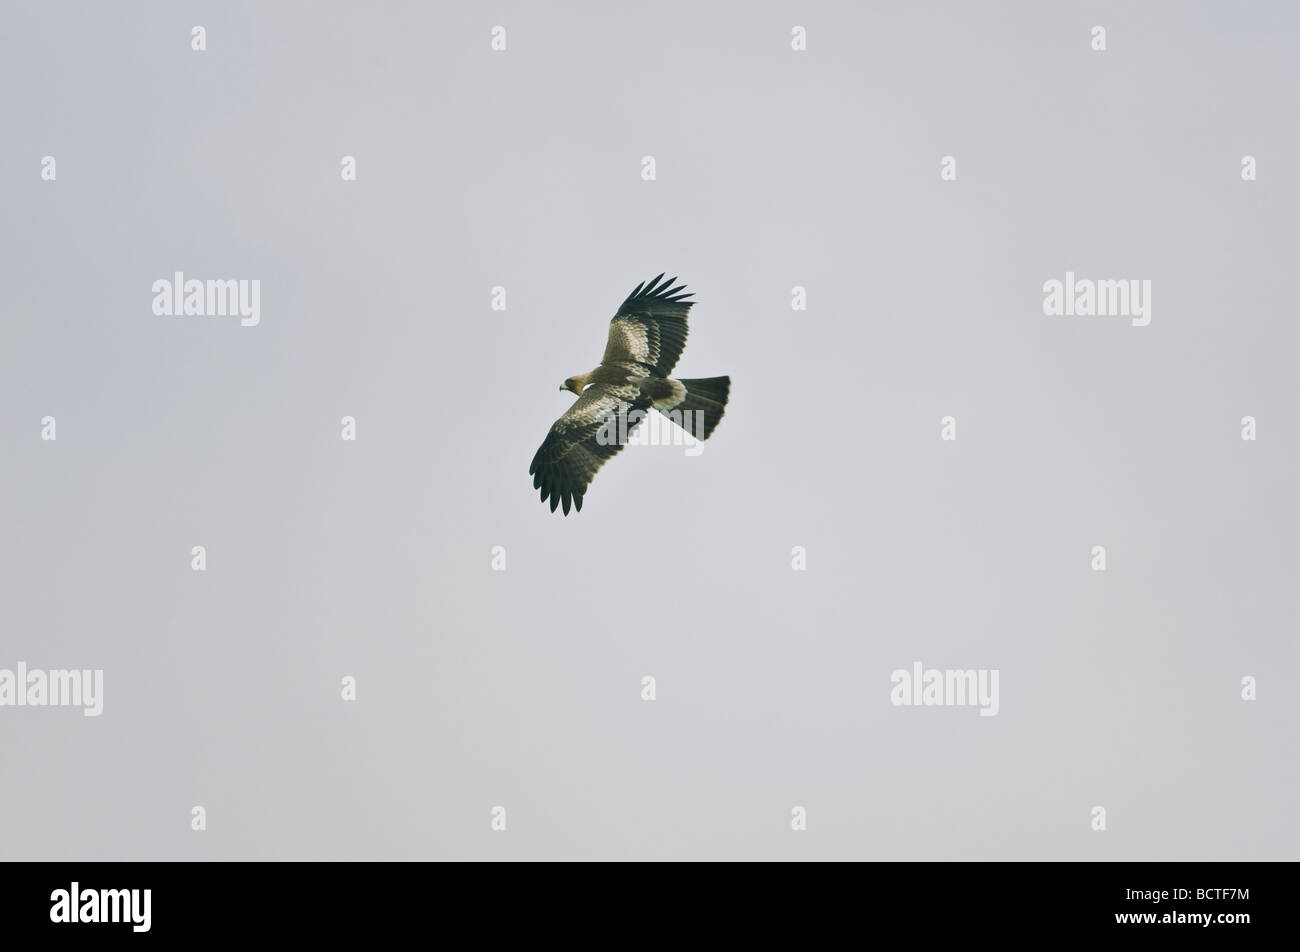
{"points": [[661, 291], [558, 492]]}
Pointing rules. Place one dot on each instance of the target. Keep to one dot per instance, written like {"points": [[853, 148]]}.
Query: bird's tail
{"points": [[706, 398]]}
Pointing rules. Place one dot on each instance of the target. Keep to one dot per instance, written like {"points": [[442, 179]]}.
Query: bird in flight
{"points": [[646, 336]]}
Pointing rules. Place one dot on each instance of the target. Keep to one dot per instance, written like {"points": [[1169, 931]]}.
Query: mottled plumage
{"points": [[646, 337]]}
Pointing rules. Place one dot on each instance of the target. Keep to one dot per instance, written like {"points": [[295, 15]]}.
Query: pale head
{"points": [[575, 383]]}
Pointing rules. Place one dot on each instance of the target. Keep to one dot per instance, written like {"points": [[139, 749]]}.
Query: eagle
{"points": [[646, 337]]}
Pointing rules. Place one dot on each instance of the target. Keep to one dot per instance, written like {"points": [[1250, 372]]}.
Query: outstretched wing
{"points": [[582, 440], [650, 327]]}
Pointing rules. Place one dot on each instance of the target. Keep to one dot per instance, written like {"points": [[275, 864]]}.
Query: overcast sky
{"points": [[522, 688]]}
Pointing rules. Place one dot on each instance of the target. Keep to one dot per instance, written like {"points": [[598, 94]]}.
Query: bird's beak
{"points": [[561, 388]]}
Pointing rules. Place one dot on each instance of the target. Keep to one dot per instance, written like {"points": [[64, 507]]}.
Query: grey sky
{"points": [[522, 688]]}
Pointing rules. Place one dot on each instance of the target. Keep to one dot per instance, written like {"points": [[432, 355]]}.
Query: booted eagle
{"points": [[646, 337]]}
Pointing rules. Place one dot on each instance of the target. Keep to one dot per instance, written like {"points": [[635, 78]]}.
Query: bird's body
{"points": [[646, 337]]}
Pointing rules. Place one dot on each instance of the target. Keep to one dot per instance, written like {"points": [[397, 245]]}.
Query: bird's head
{"points": [[575, 384]]}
